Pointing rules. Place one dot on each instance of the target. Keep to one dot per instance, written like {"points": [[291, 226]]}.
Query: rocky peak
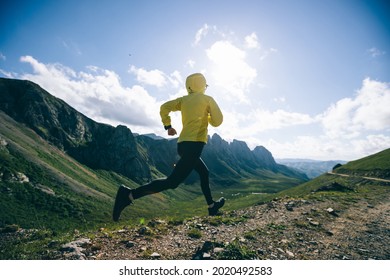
{"points": [[264, 156], [97, 145]]}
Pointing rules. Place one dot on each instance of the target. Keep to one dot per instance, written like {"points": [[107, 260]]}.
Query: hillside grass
{"points": [[80, 198], [376, 165]]}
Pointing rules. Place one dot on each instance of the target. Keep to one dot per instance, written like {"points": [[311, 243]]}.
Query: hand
{"points": [[171, 131]]}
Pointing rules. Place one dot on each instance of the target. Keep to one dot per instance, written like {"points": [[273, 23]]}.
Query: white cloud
{"points": [[352, 128], [98, 94], [321, 147], [370, 144], [374, 52], [281, 99], [369, 110], [153, 77], [176, 79], [251, 41], [157, 77], [191, 63], [7, 74], [71, 46], [2, 56], [263, 120], [202, 32], [268, 52], [251, 126], [230, 71]]}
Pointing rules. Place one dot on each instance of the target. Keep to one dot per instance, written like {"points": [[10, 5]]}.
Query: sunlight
{"points": [[230, 70]]}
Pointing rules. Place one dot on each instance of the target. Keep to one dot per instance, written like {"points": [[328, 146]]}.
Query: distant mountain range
{"points": [[312, 168]]}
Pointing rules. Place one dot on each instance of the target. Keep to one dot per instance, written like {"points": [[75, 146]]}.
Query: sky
{"points": [[305, 79]]}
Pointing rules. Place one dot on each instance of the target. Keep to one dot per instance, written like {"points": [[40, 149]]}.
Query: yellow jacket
{"points": [[197, 111]]}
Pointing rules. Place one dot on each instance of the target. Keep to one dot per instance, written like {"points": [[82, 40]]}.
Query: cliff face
{"points": [[97, 145], [102, 146]]}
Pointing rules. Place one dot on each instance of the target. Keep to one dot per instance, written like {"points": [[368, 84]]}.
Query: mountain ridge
{"points": [[312, 168], [100, 145]]}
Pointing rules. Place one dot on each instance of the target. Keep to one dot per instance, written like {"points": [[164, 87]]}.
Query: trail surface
{"points": [[332, 227]]}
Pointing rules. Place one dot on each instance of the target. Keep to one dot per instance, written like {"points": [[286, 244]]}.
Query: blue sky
{"points": [[305, 79]]}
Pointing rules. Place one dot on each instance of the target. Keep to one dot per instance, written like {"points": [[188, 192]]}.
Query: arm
{"points": [[165, 109], [215, 116]]}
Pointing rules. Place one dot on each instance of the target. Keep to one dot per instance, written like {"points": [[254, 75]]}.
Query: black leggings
{"points": [[190, 153]]}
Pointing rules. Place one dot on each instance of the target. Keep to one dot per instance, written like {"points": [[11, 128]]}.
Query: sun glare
{"points": [[229, 69]]}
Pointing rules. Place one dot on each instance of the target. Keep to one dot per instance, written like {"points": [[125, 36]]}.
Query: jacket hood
{"points": [[196, 83]]}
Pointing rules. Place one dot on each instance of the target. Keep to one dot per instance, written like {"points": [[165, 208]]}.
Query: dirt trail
{"points": [[351, 227], [363, 177]]}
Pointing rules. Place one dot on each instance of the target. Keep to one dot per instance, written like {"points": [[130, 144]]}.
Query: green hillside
{"points": [[42, 187], [357, 176], [377, 165]]}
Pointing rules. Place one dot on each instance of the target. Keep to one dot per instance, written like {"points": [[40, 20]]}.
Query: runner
{"points": [[197, 111]]}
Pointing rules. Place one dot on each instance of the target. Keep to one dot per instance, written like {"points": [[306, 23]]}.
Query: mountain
{"points": [[312, 168], [97, 145], [236, 158], [151, 135], [59, 165]]}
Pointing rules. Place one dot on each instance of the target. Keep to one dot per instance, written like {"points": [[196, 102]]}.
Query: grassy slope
{"points": [[83, 197], [376, 165]]}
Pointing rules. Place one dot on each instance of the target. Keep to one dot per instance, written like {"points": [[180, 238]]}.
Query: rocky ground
{"points": [[324, 228]]}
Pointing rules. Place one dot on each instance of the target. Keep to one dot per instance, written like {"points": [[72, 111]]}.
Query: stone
{"points": [[290, 205], [206, 256], [145, 231], [330, 233], [332, 212], [218, 250], [280, 250], [75, 249], [290, 254], [260, 251]]}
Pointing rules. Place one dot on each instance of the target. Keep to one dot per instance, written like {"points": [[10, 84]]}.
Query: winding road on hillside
{"points": [[363, 177]]}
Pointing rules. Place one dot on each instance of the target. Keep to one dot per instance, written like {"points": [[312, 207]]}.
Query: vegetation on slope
{"points": [[376, 165]]}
